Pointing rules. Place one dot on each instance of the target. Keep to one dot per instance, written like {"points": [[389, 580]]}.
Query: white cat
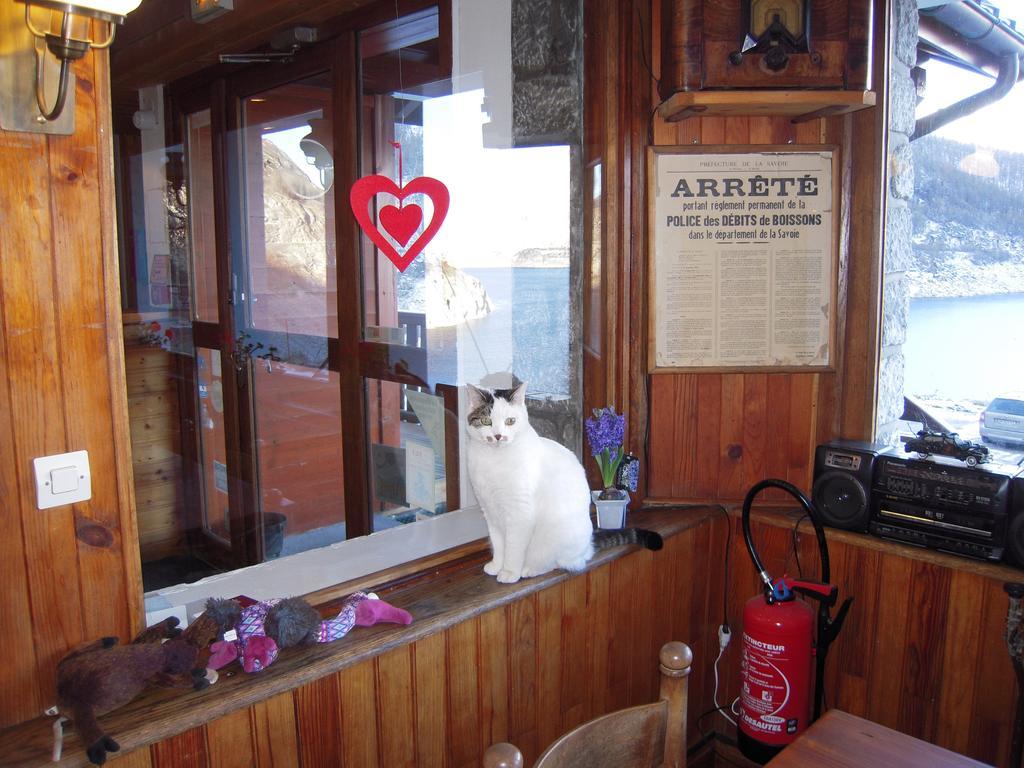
{"points": [[533, 492]]}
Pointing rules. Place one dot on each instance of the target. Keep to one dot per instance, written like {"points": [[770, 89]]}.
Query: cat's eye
{"points": [[486, 421], [510, 421]]}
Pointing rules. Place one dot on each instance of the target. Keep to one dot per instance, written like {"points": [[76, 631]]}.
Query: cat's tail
{"points": [[614, 537]]}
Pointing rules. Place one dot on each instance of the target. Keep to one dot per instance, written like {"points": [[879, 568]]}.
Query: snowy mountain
{"points": [[968, 228]]}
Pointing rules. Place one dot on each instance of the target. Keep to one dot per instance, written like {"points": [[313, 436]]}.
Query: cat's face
{"points": [[496, 416]]}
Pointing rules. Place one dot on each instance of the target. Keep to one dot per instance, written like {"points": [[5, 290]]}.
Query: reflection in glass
{"points": [[213, 460], [289, 223], [298, 446], [199, 161]]}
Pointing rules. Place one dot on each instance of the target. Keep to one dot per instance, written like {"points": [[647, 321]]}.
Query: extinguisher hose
{"points": [[812, 513]]}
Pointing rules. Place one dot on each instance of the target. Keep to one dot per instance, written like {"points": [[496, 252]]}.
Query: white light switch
{"points": [[62, 479]]}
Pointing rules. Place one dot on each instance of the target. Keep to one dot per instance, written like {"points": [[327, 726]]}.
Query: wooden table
{"points": [[841, 740]]}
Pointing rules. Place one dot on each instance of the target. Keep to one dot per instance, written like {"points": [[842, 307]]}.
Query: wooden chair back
{"points": [[646, 736]]}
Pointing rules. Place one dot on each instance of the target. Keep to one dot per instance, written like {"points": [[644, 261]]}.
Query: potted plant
{"points": [[605, 434]]}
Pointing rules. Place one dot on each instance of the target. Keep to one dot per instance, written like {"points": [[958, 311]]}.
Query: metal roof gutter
{"points": [[977, 28]]}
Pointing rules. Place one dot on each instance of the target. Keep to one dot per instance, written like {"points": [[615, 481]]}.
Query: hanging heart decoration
{"points": [[399, 222]]}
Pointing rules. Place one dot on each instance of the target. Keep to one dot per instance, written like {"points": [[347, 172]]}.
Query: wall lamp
{"points": [[66, 32]]}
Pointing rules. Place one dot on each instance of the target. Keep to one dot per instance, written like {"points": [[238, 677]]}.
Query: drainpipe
{"points": [[1009, 70]]}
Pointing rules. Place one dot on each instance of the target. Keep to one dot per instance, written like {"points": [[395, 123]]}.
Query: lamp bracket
{"points": [[19, 110]]}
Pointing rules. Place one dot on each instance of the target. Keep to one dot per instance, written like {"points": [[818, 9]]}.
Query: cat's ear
{"points": [[477, 397], [518, 396]]}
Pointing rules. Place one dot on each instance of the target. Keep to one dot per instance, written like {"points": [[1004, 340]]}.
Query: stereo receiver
{"points": [[940, 504]]}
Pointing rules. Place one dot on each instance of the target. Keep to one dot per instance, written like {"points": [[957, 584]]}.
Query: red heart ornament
{"points": [[399, 222]]}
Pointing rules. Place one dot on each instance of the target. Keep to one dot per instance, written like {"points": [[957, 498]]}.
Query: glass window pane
{"points": [[289, 200], [212, 444], [298, 445], [202, 235], [413, 446]]}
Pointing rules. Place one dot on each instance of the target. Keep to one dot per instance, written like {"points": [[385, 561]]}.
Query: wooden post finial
{"points": [[676, 658], [503, 755]]}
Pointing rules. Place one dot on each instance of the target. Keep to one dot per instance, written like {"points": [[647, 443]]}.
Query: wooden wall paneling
{"points": [[990, 720], [396, 718], [802, 414], [855, 572], [19, 694], [737, 130], [923, 651], [963, 631], [318, 722], [550, 653], [777, 429], [599, 640], [663, 443], [702, 574], [755, 432], [622, 592], [687, 438], [80, 301], [644, 680], [358, 703], [731, 438], [276, 737], [229, 740], [523, 682], [572, 674], [493, 677], [887, 667], [34, 387], [186, 750], [709, 420], [431, 696], [462, 663]]}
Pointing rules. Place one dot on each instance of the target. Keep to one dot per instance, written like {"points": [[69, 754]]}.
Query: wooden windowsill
{"points": [[788, 518], [451, 596]]}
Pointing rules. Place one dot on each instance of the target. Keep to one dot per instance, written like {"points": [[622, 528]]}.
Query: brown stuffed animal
{"points": [[102, 676]]}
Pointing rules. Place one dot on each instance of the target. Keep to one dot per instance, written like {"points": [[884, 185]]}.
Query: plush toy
{"points": [[101, 676], [260, 630]]}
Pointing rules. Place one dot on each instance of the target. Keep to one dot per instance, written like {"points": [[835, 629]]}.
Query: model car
{"points": [[929, 443], [1002, 421]]}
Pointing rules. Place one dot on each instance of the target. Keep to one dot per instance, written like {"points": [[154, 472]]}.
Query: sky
{"points": [[502, 200], [998, 126]]}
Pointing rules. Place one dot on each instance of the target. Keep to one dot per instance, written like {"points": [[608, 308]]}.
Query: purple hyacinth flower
{"points": [[606, 431]]}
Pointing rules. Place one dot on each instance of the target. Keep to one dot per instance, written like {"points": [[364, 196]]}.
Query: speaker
{"points": [[1013, 552], [842, 483]]}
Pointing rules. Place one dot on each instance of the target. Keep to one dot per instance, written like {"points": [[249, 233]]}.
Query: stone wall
{"points": [[898, 251]]}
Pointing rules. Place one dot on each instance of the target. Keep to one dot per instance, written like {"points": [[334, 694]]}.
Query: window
{"points": [[955, 273], [240, 352]]}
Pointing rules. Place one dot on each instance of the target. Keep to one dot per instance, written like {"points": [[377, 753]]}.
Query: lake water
{"points": [[965, 348], [526, 332]]}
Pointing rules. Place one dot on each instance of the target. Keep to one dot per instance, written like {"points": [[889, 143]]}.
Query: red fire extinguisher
{"points": [[781, 647]]}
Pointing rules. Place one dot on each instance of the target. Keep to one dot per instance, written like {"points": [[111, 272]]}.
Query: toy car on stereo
{"points": [[929, 443]]}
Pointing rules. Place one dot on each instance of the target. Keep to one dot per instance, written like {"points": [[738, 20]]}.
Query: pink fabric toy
{"points": [[292, 621]]}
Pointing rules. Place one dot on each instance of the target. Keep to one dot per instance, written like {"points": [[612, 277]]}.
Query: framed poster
{"points": [[743, 257]]}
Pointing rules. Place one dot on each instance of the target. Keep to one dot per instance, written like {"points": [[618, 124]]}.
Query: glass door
{"points": [[214, 507], [285, 272]]}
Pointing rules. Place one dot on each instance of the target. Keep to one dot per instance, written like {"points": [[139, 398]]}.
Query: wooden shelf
{"points": [[800, 106]]}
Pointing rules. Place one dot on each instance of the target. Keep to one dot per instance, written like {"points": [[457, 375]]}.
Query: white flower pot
{"points": [[611, 513]]}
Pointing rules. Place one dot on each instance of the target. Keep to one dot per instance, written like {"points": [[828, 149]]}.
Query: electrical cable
{"points": [[721, 709], [796, 547]]}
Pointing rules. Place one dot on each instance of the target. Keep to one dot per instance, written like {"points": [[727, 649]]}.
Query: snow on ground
{"points": [[961, 416]]}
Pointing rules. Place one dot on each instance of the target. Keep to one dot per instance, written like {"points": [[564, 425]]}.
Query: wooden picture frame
{"points": [[743, 257]]}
